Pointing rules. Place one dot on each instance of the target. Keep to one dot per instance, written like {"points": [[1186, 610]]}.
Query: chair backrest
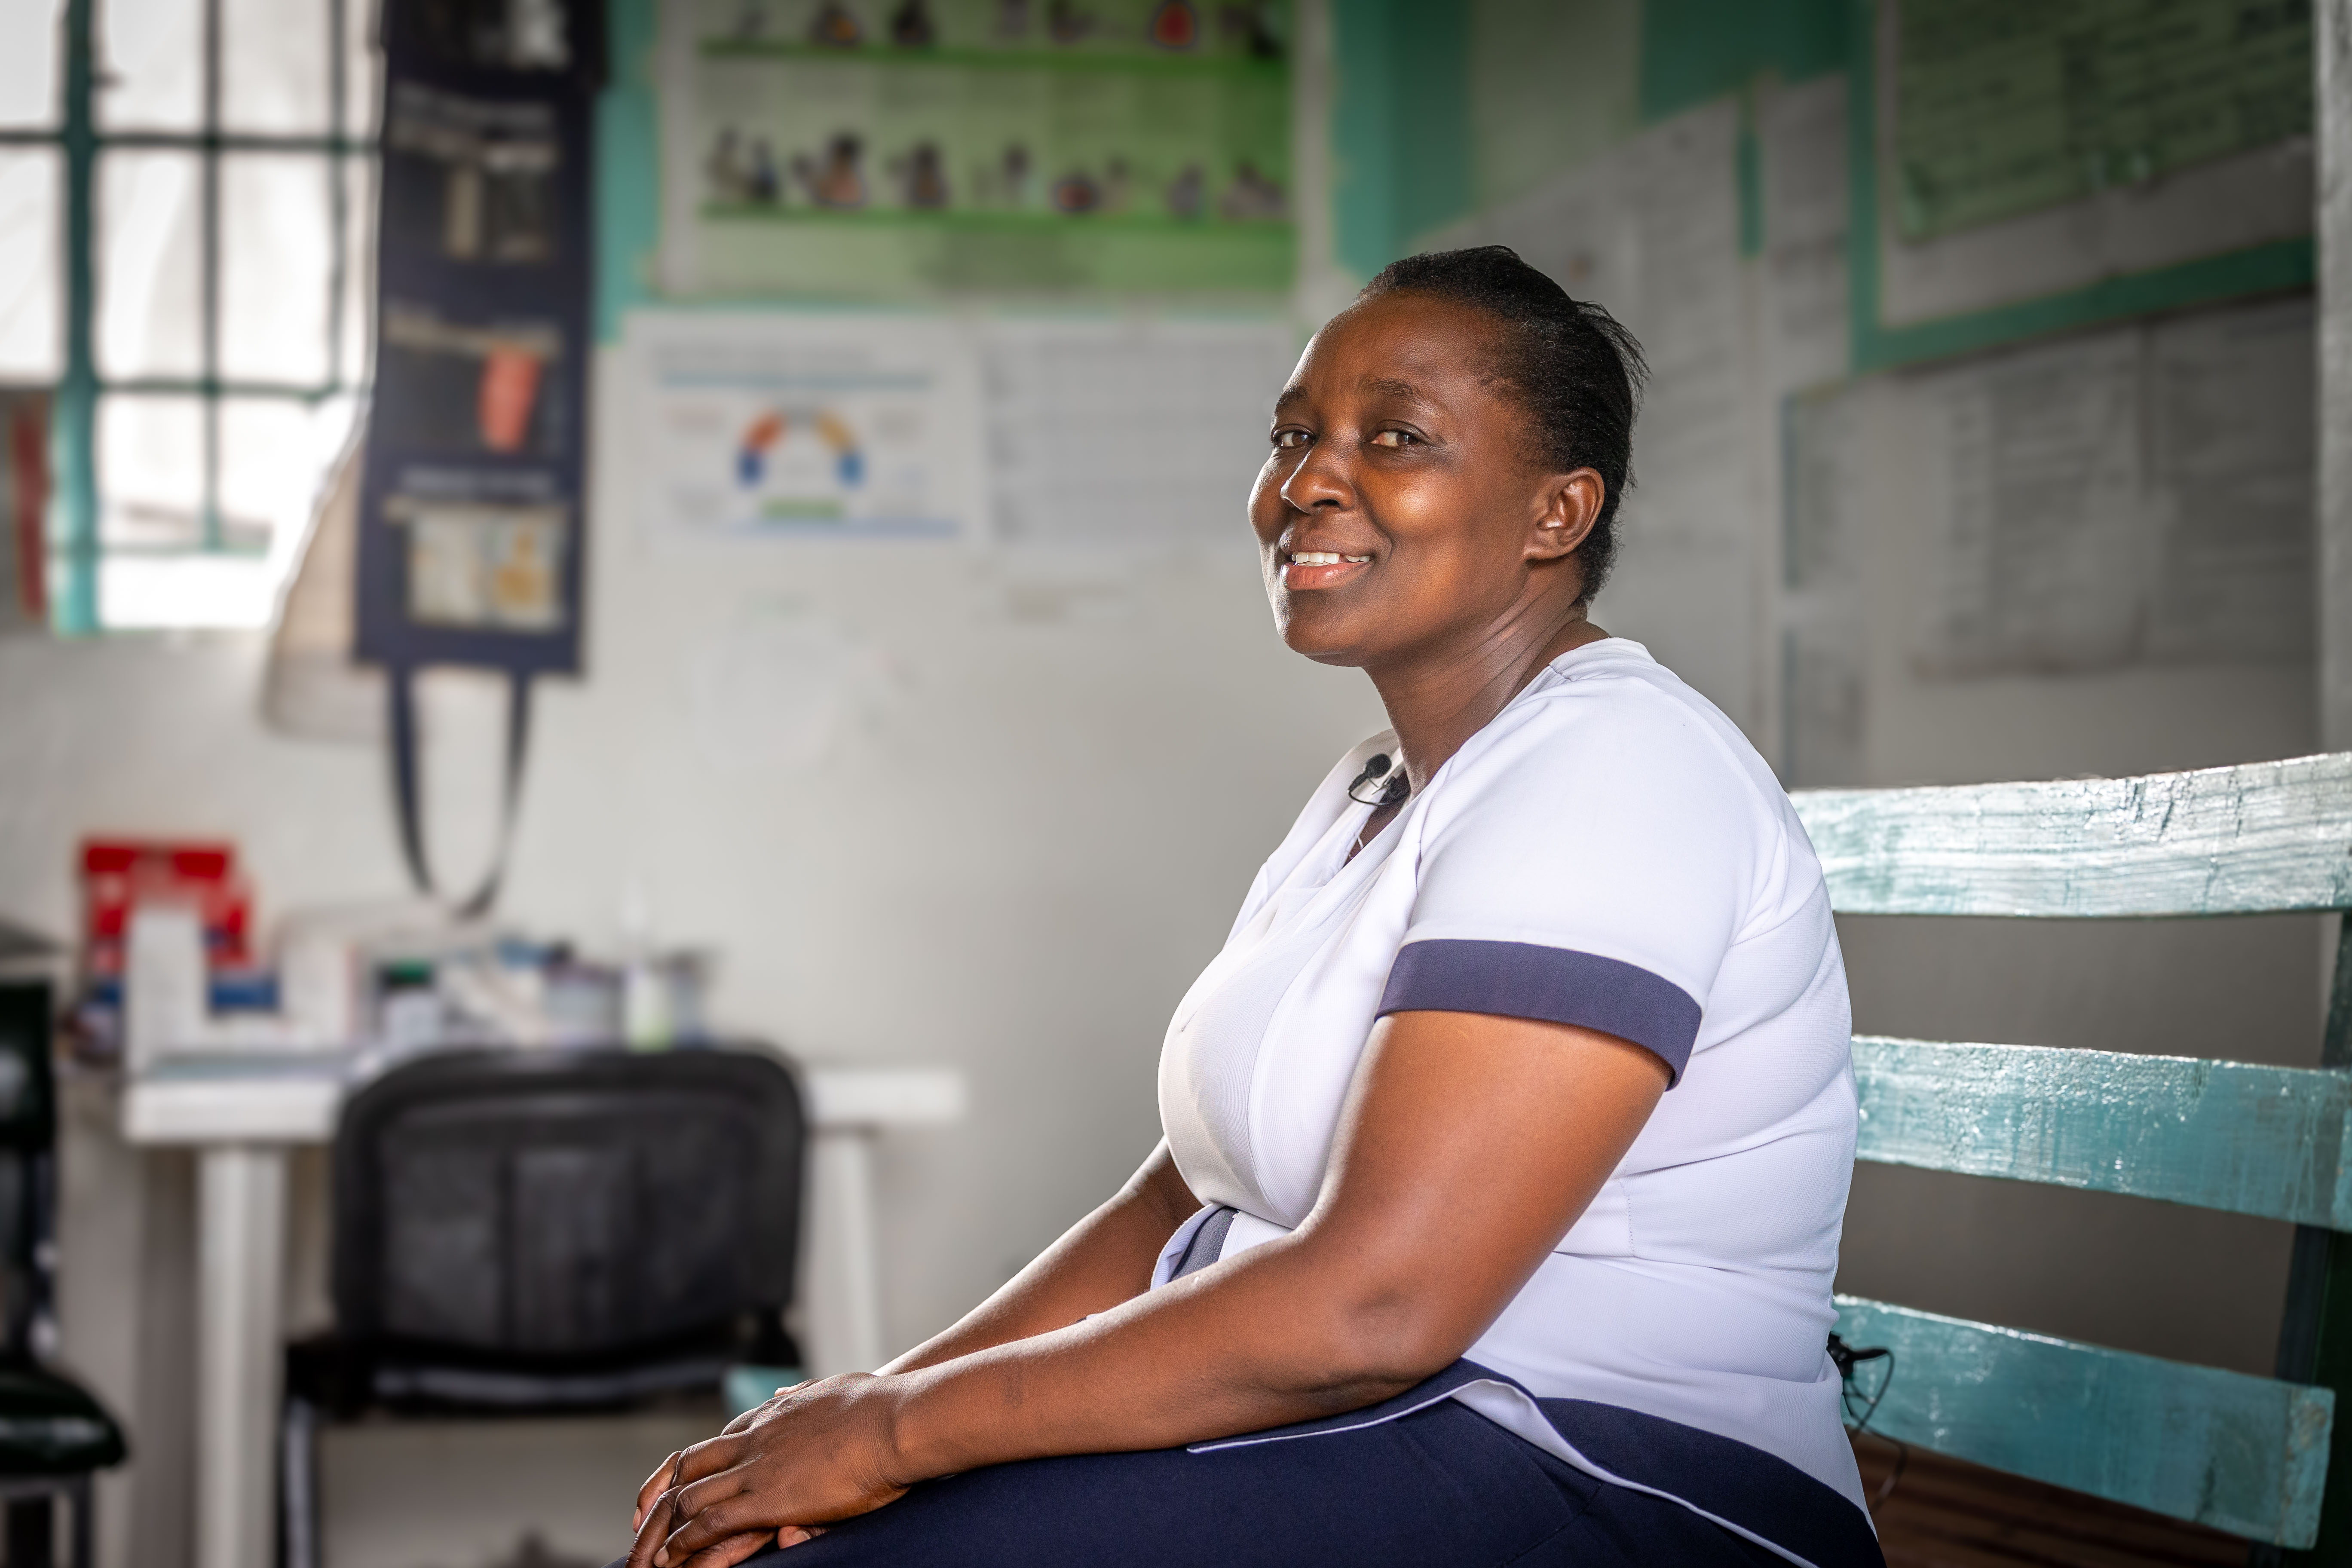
{"points": [[2247, 1455], [546, 1206], [28, 1136]]}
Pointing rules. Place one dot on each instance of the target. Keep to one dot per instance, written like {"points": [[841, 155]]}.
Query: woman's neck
{"points": [[1437, 701]]}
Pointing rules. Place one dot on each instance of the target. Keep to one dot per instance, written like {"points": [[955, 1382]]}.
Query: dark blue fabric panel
{"points": [[1208, 1244], [1418, 1480], [1441, 1488], [1559, 984], [1727, 1479]]}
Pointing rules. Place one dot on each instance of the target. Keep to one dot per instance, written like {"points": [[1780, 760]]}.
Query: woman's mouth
{"points": [[1320, 568]]}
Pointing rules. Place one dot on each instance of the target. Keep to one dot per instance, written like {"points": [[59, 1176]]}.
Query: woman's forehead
{"points": [[1412, 348]]}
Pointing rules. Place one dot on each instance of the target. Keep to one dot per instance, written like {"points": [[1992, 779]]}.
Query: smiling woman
{"points": [[1508, 1139]]}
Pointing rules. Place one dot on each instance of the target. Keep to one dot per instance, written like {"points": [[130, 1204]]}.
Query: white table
{"points": [[244, 1119]]}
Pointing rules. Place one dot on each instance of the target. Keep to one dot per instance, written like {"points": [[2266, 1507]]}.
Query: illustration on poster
{"points": [[772, 427]]}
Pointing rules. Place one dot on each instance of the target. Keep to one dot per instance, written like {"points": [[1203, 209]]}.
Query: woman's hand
{"points": [[819, 1452]]}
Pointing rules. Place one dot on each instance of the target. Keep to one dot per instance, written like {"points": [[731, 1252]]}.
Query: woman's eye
{"points": [[1289, 440]]}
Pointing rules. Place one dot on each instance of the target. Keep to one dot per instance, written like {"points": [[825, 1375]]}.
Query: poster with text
{"points": [[830, 427]]}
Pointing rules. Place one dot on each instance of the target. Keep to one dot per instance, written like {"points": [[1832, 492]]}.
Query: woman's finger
{"points": [[709, 1457], [717, 1518], [665, 1476], [659, 1519], [730, 1552]]}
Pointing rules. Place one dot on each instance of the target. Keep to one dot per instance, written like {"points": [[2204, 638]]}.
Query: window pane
{"points": [[29, 62], [355, 356], [30, 345], [148, 278], [362, 68], [144, 591], [275, 453], [153, 64], [273, 64], [150, 472], [275, 261]]}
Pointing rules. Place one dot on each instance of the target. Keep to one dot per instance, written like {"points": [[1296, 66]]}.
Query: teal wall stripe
{"points": [[1695, 51], [629, 168], [74, 410], [1748, 155], [1400, 137]]}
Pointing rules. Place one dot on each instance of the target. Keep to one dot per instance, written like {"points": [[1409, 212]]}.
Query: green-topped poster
{"points": [[880, 149]]}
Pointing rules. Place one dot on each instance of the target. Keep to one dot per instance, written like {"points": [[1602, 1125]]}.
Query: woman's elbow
{"points": [[1387, 1335]]}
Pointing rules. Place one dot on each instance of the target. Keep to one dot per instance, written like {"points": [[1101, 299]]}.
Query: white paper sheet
{"points": [[777, 424], [1800, 135], [2138, 495], [1129, 434]]}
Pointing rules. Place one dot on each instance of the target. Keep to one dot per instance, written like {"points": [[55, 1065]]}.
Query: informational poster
{"points": [[1824, 634], [2143, 495], [887, 148], [2003, 108], [1801, 134], [2026, 153], [781, 425], [1143, 435]]}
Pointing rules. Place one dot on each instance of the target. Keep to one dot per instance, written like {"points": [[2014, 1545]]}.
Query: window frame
{"points": [[76, 547]]}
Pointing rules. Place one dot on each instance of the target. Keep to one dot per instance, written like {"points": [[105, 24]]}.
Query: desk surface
{"points": [[295, 1099]]}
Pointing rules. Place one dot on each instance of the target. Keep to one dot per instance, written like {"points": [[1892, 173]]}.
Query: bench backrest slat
{"points": [[2248, 1455], [2245, 1139], [2262, 837]]}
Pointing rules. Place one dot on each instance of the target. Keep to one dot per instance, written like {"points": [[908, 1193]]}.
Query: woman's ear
{"points": [[1571, 505]]}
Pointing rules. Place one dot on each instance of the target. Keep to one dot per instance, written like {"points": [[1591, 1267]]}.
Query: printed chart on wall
{"points": [[2030, 152], [869, 149], [806, 426], [1140, 435]]}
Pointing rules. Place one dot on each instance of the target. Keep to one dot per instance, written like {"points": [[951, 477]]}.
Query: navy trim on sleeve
{"points": [[1559, 984]]}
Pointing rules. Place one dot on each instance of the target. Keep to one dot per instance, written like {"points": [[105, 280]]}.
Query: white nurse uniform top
{"points": [[1608, 852]]}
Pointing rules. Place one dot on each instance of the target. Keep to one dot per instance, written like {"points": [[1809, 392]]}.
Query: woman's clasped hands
{"points": [[812, 1454]]}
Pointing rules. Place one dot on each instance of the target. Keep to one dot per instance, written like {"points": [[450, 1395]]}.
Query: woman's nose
{"points": [[1317, 482]]}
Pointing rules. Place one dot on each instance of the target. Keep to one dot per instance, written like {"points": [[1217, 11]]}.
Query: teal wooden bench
{"points": [[2246, 1455]]}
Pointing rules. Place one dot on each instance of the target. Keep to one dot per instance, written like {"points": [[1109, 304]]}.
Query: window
{"points": [[187, 214]]}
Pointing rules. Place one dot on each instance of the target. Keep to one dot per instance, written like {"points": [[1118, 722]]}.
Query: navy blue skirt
{"points": [[1437, 1485]]}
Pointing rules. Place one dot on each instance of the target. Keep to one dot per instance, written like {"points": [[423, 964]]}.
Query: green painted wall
{"points": [[1695, 50], [1400, 139], [1552, 83]]}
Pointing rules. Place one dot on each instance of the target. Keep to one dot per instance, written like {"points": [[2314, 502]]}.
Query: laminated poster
{"points": [[894, 148], [807, 426]]}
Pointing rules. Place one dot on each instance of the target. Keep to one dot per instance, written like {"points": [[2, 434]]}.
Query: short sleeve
{"points": [[1592, 865]]}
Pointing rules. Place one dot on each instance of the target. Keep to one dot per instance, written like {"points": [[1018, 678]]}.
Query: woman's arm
{"points": [[1096, 1264], [1100, 1261], [1469, 1146]]}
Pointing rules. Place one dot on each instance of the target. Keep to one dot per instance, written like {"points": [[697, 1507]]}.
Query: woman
{"points": [[1508, 1139]]}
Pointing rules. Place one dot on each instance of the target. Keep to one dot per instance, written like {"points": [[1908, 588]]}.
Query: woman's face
{"points": [[1400, 513]]}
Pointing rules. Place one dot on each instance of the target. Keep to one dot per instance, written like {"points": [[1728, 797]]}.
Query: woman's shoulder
{"points": [[1613, 716]]}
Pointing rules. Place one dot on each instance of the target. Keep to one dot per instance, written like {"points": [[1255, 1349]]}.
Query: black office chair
{"points": [[536, 1232], [53, 1435]]}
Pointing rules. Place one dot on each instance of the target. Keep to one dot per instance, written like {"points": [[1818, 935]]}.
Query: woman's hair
{"points": [[1571, 366]]}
